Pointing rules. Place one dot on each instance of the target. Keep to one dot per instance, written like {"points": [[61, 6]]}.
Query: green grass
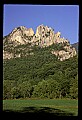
{"points": [[50, 105]]}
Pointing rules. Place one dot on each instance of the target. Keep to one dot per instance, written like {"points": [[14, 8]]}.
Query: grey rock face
{"points": [[44, 37]]}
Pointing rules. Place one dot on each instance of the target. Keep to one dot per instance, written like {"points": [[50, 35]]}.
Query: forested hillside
{"points": [[40, 74]]}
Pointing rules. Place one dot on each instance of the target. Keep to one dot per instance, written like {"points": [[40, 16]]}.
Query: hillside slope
{"points": [[43, 68]]}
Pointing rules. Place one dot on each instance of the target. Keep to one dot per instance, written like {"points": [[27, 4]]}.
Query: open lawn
{"points": [[54, 107]]}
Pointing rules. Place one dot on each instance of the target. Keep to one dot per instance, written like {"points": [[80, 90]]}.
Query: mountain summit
{"points": [[44, 37]]}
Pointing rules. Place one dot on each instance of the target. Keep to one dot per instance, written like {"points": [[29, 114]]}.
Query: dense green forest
{"points": [[40, 75]]}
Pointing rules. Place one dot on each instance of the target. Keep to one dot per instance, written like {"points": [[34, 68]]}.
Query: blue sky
{"points": [[63, 18]]}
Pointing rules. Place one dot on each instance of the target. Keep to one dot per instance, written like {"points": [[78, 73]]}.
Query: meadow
{"points": [[55, 107]]}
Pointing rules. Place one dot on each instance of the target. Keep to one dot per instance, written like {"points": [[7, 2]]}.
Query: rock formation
{"points": [[43, 37]]}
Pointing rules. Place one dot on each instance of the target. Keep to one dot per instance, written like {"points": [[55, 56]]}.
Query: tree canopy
{"points": [[40, 75]]}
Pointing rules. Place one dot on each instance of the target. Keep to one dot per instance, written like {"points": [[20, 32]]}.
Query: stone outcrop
{"points": [[20, 35], [62, 55], [58, 34], [44, 37], [7, 55]]}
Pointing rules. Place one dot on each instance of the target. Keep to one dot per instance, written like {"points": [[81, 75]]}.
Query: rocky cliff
{"points": [[44, 37]]}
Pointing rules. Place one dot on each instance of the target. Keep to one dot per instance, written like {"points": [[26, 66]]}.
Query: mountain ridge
{"points": [[44, 37], [75, 45], [40, 65]]}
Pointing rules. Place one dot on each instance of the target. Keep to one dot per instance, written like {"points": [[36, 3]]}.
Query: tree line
{"points": [[44, 89]]}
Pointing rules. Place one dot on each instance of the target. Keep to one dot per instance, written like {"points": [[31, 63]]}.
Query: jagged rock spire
{"points": [[43, 37]]}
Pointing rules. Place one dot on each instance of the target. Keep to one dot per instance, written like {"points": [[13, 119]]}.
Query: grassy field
{"points": [[57, 107]]}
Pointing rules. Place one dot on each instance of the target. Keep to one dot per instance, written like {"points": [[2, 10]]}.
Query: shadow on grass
{"points": [[39, 112]]}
